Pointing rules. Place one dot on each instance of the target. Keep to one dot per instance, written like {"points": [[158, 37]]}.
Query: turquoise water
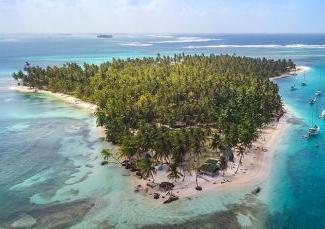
{"points": [[297, 189], [50, 169]]}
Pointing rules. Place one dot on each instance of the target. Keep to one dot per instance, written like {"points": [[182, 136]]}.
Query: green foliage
{"points": [[146, 167], [106, 153], [173, 107], [174, 174]]}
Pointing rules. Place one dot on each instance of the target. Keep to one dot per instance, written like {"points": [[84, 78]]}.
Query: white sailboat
{"points": [[312, 101], [319, 92], [303, 83], [314, 129], [293, 86]]}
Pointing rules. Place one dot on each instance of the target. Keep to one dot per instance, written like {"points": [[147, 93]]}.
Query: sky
{"points": [[162, 16]]}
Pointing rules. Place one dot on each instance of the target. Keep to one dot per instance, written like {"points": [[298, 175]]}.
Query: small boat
{"points": [[312, 101], [293, 87], [318, 92], [313, 130], [303, 83]]}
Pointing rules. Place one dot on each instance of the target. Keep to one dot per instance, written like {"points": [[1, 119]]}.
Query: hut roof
{"points": [[212, 161], [209, 168]]}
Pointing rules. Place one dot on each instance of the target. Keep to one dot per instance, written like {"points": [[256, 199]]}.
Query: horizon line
{"points": [[169, 33]]}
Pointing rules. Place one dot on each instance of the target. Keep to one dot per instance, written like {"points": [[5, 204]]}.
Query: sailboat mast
{"points": [[320, 79]]}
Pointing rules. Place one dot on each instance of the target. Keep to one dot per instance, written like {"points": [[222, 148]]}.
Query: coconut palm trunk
{"points": [[196, 181], [239, 163], [153, 176], [196, 174]]}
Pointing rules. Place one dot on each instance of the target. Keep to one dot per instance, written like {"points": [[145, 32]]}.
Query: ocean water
{"points": [[50, 173]]}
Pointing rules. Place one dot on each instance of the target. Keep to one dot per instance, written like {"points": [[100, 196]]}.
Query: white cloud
{"points": [[136, 16]]}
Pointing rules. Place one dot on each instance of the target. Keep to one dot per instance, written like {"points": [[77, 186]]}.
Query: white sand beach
{"points": [[255, 169], [299, 69], [66, 98]]}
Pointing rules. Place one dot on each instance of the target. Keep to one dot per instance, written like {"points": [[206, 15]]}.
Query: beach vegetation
{"points": [[175, 108]]}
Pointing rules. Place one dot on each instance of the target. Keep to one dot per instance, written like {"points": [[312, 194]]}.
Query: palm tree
{"points": [[226, 98], [240, 153], [147, 168], [223, 164], [216, 142], [196, 172], [197, 139], [174, 174], [108, 154]]}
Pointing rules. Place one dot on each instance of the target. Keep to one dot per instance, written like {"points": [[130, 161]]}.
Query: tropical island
{"points": [[175, 119], [104, 36]]}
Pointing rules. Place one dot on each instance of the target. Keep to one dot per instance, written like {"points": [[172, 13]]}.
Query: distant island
{"points": [[104, 36], [180, 119]]}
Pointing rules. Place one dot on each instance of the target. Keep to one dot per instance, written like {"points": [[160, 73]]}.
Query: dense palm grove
{"points": [[173, 109]]}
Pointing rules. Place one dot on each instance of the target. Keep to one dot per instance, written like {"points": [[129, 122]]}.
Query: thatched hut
{"points": [[211, 167]]}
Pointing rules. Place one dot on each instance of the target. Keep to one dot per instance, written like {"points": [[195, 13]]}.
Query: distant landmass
{"points": [[104, 36]]}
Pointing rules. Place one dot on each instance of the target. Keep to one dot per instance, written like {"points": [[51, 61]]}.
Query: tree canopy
{"points": [[173, 107]]}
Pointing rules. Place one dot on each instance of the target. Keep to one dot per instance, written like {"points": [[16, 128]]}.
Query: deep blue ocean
{"points": [[49, 150]]}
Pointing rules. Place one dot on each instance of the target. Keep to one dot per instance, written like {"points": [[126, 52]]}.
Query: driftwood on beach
{"points": [[166, 186], [171, 199]]}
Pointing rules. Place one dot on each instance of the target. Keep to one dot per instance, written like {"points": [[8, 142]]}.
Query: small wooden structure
{"points": [[211, 167]]}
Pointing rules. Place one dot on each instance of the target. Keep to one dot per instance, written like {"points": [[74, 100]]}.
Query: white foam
{"points": [[8, 40], [187, 40], [256, 46], [24, 220], [136, 44], [7, 99], [36, 179], [305, 46], [159, 36]]}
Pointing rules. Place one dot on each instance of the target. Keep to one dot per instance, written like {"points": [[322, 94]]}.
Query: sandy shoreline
{"points": [[255, 169], [299, 69], [66, 98]]}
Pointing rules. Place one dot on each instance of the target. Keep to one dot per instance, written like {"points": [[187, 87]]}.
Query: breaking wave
{"points": [[256, 46], [159, 36], [136, 44], [187, 40]]}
